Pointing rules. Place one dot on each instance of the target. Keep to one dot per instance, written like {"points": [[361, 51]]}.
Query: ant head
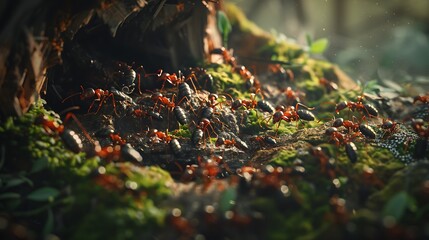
{"points": [[213, 96]]}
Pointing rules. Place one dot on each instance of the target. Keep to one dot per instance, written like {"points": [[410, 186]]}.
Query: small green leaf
{"points": [[10, 195], [39, 165], [397, 205], [17, 181], [223, 25], [43, 194], [49, 224], [319, 46]]}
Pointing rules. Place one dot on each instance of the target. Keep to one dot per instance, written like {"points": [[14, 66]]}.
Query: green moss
{"points": [[40, 166], [127, 212], [237, 18], [255, 122], [183, 132], [226, 81], [284, 158]]}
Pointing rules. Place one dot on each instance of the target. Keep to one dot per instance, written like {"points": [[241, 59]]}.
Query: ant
{"points": [[420, 128], [157, 136], [252, 82], [204, 124], [335, 135], [117, 139], [281, 73], [264, 140], [328, 85], [291, 95], [139, 113], [348, 124], [226, 142], [318, 153], [358, 105], [70, 138], [174, 79], [341, 139], [421, 98], [117, 152], [205, 169], [158, 97], [227, 56], [364, 129], [389, 125], [248, 104], [291, 113], [99, 95]]}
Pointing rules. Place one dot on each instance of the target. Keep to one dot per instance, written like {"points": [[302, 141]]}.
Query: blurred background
{"points": [[384, 40]]}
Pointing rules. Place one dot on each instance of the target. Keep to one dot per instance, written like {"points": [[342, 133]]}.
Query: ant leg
{"points": [[74, 94], [92, 104], [138, 83], [181, 100], [79, 124], [114, 103], [102, 100], [278, 125], [192, 76], [305, 106]]}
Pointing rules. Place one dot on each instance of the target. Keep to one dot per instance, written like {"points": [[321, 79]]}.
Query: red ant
{"points": [[348, 124], [226, 142], [69, 137], [207, 170], [341, 139], [318, 153], [328, 85], [264, 140], [282, 73], [421, 98], [389, 126], [248, 104], [169, 104], [420, 128], [335, 136], [99, 95], [226, 55], [117, 139], [364, 129], [118, 152], [174, 79], [157, 136], [291, 95], [251, 81], [245, 74], [151, 114], [158, 97], [204, 124], [291, 113], [359, 106]]}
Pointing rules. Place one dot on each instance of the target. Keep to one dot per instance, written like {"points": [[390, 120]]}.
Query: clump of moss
{"points": [[129, 208], [43, 181], [284, 158], [227, 81], [183, 131]]}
